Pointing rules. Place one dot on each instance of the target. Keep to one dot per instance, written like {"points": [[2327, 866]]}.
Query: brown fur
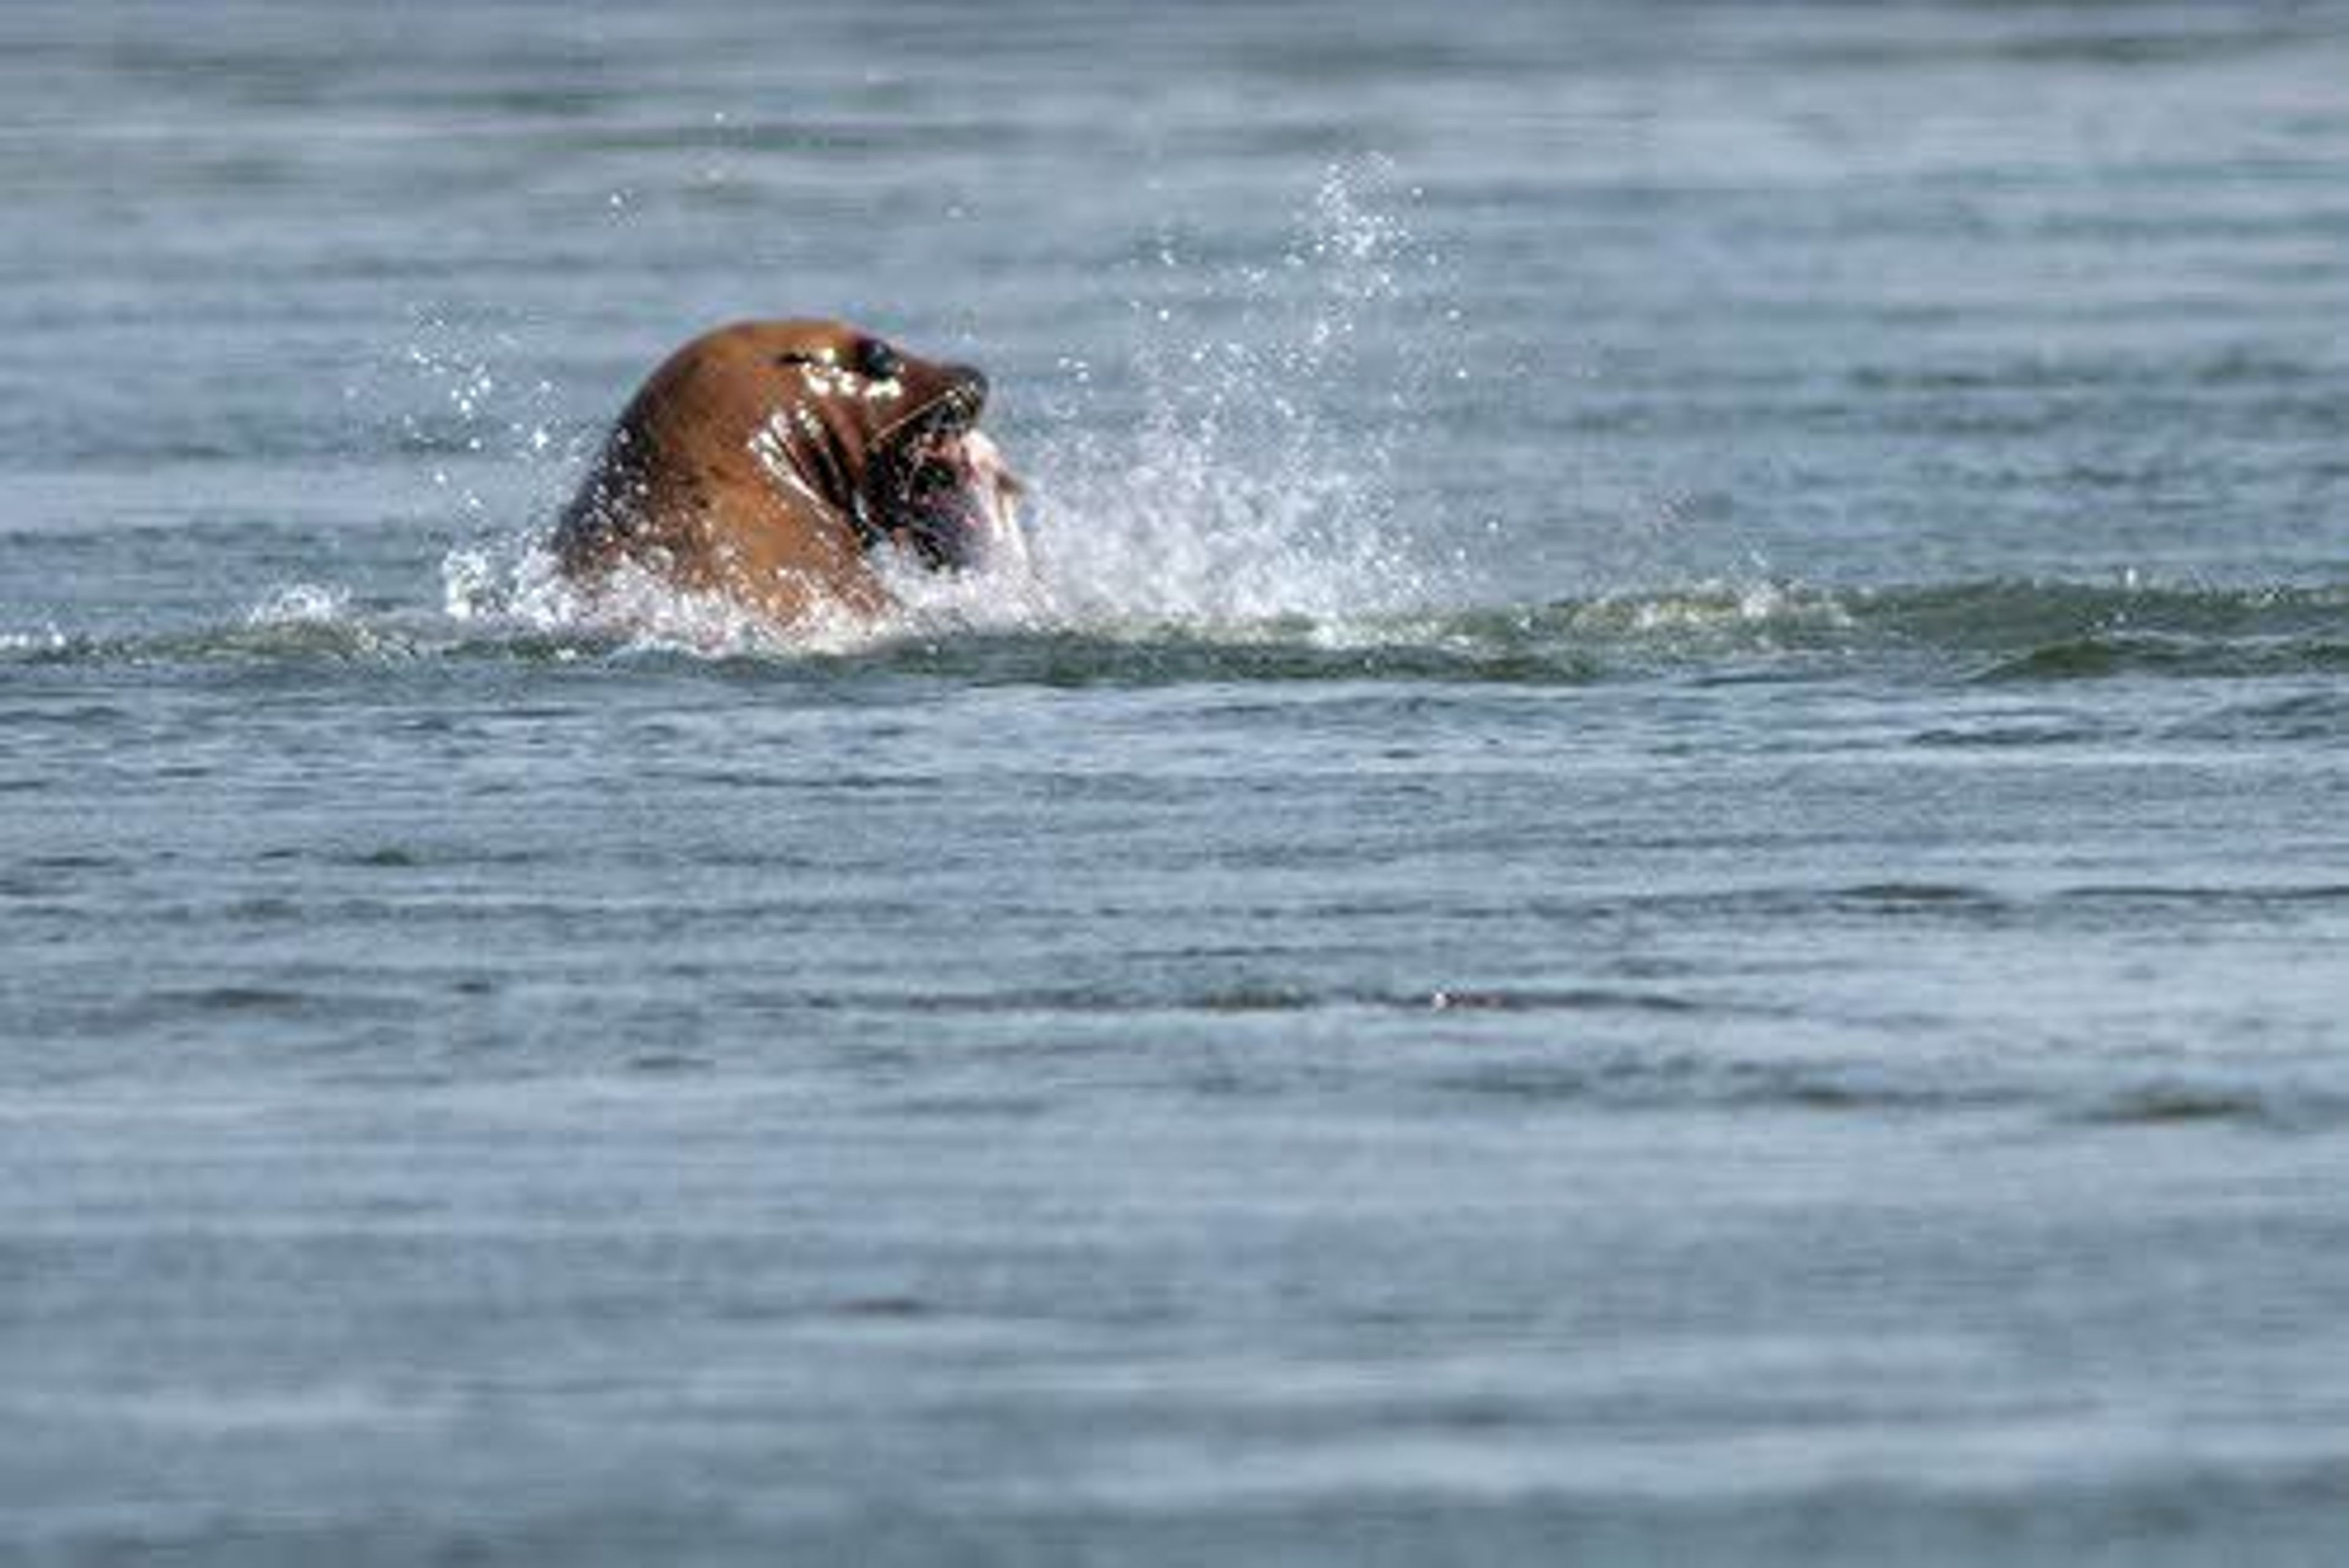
{"points": [[756, 463]]}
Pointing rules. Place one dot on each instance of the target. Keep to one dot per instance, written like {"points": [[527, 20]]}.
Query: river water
{"points": [[1658, 874]]}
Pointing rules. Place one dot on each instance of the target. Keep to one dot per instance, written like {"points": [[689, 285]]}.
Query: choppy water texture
{"points": [[1658, 877]]}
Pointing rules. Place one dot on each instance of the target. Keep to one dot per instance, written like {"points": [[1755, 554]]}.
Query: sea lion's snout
{"points": [[954, 409]]}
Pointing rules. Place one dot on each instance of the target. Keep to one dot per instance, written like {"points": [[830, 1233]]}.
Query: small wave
{"points": [[2210, 896], [2167, 1103], [1708, 630], [515, 606], [1688, 1080], [2016, 614], [2303, 716], [2102, 656], [1669, 1079], [2275, 1109]]}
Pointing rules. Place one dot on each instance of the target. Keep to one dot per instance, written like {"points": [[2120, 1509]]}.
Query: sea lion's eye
{"points": [[875, 360]]}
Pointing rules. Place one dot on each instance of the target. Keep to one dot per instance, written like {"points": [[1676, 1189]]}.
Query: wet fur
{"points": [[756, 462]]}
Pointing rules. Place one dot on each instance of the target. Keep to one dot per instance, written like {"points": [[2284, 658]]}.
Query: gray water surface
{"points": [[1657, 877]]}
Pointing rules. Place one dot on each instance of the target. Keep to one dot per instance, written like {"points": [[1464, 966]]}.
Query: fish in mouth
{"points": [[940, 488]]}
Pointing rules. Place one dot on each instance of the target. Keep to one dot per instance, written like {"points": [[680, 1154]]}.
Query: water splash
{"points": [[1253, 487], [301, 604], [45, 639], [1249, 490], [474, 410], [1984, 634], [517, 586]]}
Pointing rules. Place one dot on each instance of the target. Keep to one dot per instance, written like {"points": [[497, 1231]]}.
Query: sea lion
{"points": [[773, 462]]}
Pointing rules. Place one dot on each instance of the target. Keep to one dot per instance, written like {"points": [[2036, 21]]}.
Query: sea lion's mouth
{"points": [[943, 490]]}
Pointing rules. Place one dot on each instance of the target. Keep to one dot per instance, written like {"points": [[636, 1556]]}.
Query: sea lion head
{"points": [[887, 440]]}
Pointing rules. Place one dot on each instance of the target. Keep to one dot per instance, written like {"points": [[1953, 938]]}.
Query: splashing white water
{"points": [[47, 638], [1253, 488], [1257, 484], [521, 583], [301, 604], [472, 411]]}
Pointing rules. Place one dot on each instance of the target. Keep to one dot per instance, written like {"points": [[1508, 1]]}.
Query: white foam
{"points": [[1239, 498], [302, 604], [47, 639]]}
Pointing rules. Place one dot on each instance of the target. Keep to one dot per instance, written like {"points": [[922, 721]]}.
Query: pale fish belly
{"points": [[994, 492]]}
